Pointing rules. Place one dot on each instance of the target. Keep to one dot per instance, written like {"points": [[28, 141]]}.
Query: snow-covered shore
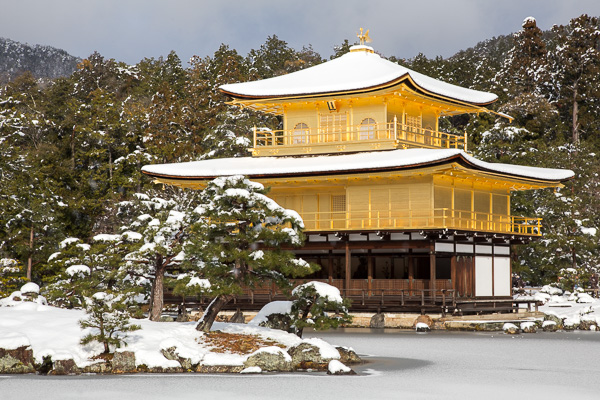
{"points": [[55, 332]]}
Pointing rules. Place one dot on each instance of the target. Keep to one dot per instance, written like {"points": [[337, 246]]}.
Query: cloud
{"points": [[129, 30]]}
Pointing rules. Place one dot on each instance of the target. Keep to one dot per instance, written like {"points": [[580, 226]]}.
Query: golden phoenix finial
{"points": [[363, 37]]}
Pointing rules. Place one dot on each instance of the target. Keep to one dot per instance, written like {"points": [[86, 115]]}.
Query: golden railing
{"points": [[438, 218], [396, 132]]}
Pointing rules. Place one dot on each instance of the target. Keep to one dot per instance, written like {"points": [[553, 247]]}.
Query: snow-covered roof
{"points": [[256, 167], [356, 70]]}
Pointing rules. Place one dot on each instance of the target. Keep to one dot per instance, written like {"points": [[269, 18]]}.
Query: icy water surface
{"points": [[402, 365]]}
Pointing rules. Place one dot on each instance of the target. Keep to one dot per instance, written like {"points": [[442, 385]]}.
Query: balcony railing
{"points": [[394, 133], [438, 218]]}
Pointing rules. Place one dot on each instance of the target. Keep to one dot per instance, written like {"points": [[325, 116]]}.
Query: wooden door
{"points": [[465, 279]]}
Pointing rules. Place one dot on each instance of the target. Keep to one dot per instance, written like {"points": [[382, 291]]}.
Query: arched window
{"points": [[300, 133], [367, 129]]}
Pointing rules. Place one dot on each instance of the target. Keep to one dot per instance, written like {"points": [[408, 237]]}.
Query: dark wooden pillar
{"points": [[453, 271], [348, 270], [369, 272], [330, 267], [432, 269], [411, 274]]}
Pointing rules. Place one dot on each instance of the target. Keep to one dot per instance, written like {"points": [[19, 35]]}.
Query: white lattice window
{"points": [[300, 133], [333, 126], [367, 129], [338, 203], [413, 122]]}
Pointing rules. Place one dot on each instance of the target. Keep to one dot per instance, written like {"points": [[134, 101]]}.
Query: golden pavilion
{"points": [[394, 208]]}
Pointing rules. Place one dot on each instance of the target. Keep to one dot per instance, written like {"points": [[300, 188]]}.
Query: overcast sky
{"points": [[130, 30]]}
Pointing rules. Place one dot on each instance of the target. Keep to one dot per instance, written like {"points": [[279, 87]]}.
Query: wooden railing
{"points": [[401, 134], [437, 218]]}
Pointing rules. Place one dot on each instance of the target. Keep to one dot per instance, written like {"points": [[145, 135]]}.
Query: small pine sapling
{"points": [[319, 306], [109, 318]]}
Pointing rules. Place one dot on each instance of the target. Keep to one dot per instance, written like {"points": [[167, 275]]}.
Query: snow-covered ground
{"points": [[571, 307], [56, 332]]}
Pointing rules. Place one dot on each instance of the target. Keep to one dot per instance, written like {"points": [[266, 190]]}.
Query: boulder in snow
{"points": [[171, 353], [65, 367], [549, 326], [377, 321], [17, 360], [313, 354], [270, 358], [123, 361], [510, 329], [337, 368], [529, 327], [348, 355], [30, 289]]}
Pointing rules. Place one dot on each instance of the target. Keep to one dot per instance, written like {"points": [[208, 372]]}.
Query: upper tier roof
{"points": [[273, 167], [356, 70]]}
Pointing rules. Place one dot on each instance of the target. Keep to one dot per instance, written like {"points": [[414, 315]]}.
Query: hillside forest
{"points": [[71, 148]]}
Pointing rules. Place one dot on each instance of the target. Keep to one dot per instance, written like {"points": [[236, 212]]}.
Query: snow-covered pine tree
{"points": [[576, 75], [12, 276], [239, 241], [319, 306], [525, 68], [108, 317], [157, 233]]}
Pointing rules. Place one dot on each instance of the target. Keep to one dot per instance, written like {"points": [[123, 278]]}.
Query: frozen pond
{"points": [[403, 364]]}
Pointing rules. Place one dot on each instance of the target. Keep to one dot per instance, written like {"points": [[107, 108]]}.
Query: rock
{"points": [[97, 368], [238, 318], [164, 370], [555, 318], [166, 318], [46, 366], [422, 327], [348, 356], [570, 325], [17, 361], [123, 361], [423, 319], [510, 329], [529, 327], [270, 358], [337, 368], [219, 369], [587, 324], [279, 321], [251, 370], [377, 321], [65, 367], [172, 354], [549, 326], [307, 356]]}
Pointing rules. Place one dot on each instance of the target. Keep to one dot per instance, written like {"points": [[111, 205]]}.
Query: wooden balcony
{"points": [[438, 218], [392, 135]]}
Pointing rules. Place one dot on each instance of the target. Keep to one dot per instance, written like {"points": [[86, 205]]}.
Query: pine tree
{"points": [[525, 68], [577, 75], [319, 306], [107, 315], [238, 242]]}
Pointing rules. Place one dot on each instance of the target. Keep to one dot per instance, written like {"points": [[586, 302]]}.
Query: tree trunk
{"points": [[30, 259], [212, 311], [157, 295], [575, 126]]}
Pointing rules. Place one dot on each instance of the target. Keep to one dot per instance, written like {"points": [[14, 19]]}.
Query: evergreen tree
{"points": [[319, 306], [108, 317], [240, 235], [577, 75]]}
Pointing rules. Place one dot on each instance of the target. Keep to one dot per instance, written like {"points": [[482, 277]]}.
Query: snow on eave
{"points": [[353, 72], [381, 161]]}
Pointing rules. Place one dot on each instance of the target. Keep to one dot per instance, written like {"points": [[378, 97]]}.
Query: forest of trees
{"points": [[71, 149]]}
